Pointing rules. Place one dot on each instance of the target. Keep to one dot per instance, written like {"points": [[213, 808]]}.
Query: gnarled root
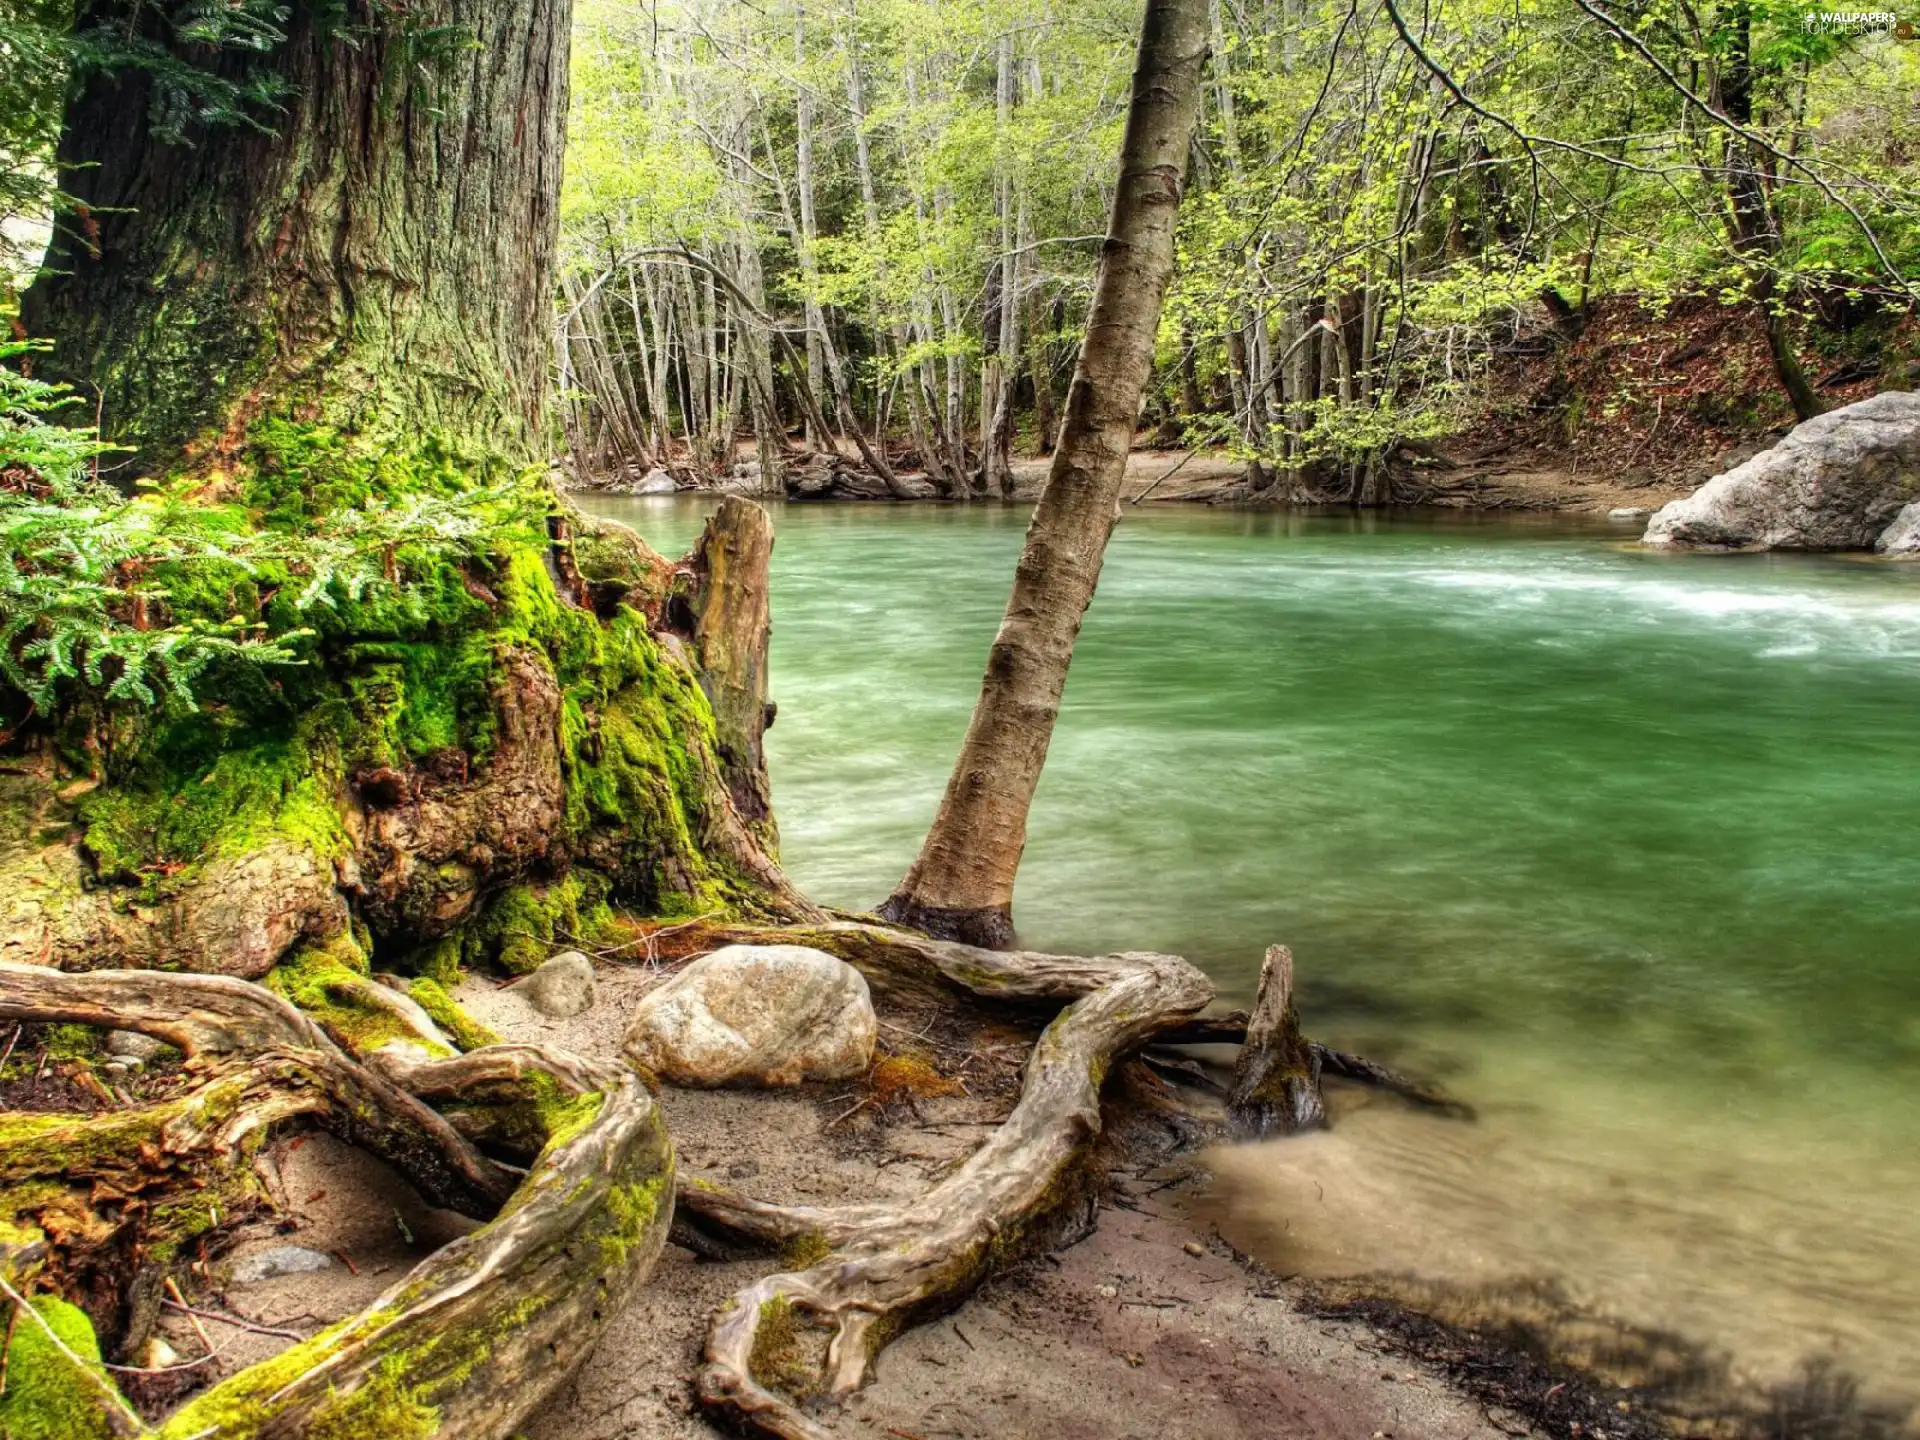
{"points": [[883, 1264], [480, 1332]]}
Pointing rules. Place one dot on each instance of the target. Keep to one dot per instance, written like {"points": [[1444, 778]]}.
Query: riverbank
{"points": [[1501, 477], [1150, 1327]]}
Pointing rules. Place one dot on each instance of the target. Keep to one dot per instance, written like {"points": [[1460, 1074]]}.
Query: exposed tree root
{"points": [[1276, 1083], [480, 1332], [877, 1266]]}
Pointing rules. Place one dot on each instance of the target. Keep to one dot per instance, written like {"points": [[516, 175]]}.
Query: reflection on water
{"points": [[1618, 844]]}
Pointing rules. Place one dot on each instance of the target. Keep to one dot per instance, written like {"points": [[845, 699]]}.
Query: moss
{"points": [[803, 1252], [200, 796], [634, 1209], [466, 1032], [46, 1397], [322, 980], [439, 961], [779, 1355], [525, 924]]}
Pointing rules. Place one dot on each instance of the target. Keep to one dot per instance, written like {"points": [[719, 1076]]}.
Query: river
{"points": [[1619, 846]]}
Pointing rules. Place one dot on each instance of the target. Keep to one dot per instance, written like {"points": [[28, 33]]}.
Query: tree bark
{"points": [[379, 257], [962, 883]]}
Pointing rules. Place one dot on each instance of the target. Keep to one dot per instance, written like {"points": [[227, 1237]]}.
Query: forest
{"points": [[510, 826]]}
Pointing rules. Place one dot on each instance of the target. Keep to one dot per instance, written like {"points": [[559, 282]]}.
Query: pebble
{"points": [[278, 1260], [1194, 1248], [1108, 1292]]}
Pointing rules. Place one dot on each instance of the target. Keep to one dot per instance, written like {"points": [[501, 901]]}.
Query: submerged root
{"points": [[474, 1338], [869, 1269]]}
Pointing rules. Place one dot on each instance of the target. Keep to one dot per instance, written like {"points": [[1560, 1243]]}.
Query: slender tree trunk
{"points": [[379, 257], [961, 885], [1756, 229]]}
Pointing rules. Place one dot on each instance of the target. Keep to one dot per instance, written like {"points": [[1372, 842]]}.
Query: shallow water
{"points": [[1618, 845]]}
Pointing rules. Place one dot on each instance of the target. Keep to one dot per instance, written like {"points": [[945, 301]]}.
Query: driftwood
{"points": [[482, 1330], [1276, 1083]]}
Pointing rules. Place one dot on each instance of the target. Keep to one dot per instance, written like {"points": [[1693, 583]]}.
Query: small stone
{"points": [[1108, 1292], [157, 1354], [756, 1015], [563, 987], [1194, 1248], [120, 1067], [1628, 512], [277, 1260], [132, 1045]]}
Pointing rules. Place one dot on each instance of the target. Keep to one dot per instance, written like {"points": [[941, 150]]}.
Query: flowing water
{"points": [[1619, 846]]}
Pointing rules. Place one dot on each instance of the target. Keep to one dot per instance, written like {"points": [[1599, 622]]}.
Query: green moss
{"points": [[634, 1209], [466, 1032], [805, 1251], [195, 799], [778, 1358], [324, 980], [526, 924], [47, 1398]]}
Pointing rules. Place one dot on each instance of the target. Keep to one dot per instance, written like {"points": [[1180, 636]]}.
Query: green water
{"points": [[1620, 845]]}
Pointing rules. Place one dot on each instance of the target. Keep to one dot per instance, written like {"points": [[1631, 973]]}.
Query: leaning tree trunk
{"points": [[962, 883], [378, 256]]}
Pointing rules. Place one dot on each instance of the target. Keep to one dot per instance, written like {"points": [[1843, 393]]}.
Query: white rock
{"points": [[1628, 512], [756, 1015], [562, 987], [654, 482], [132, 1045], [277, 1260], [1835, 483], [1902, 537]]}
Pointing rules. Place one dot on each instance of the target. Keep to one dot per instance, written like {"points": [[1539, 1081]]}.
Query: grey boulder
{"points": [[562, 987], [756, 1015], [1837, 482], [654, 482]]}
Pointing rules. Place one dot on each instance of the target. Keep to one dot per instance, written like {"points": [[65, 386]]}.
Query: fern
{"points": [[86, 602]]}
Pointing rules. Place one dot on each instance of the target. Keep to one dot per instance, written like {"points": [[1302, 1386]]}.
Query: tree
{"points": [[961, 885], [373, 250], [321, 326]]}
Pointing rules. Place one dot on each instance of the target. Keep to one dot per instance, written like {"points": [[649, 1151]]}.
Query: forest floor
{"points": [[1152, 1328]]}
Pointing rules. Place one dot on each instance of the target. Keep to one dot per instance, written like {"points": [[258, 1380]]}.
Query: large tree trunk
{"points": [[378, 257], [962, 883]]}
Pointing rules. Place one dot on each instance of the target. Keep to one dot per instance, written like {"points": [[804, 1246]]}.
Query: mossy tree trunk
{"points": [[335, 327], [377, 254]]}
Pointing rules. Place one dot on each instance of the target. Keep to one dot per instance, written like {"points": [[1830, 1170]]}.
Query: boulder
{"points": [[756, 1015], [562, 987], [1902, 537], [654, 482], [1836, 482]]}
